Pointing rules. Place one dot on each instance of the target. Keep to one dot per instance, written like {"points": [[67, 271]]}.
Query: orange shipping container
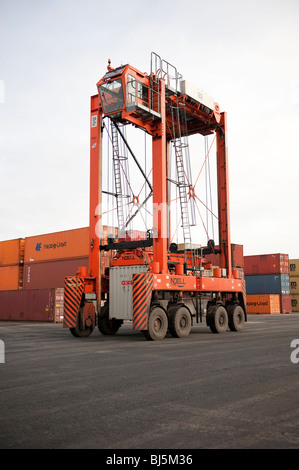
{"points": [[267, 303], [62, 245], [12, 252], [59, 245], [11, 277]]}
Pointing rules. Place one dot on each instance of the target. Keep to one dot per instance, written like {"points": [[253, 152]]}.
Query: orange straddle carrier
{"points": [[148, 280]]}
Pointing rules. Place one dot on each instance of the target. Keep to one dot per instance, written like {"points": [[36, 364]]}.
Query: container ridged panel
{"points": [[121, 296]]}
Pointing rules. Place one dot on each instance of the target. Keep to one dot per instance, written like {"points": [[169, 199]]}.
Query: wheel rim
{"points": [[183, 322], [219, 320], [77, 331], [236, 317], [157, 324], [179, 321]]}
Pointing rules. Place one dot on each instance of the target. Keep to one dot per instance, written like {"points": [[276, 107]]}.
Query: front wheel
{"points": [[157, 324], [77, 331]]}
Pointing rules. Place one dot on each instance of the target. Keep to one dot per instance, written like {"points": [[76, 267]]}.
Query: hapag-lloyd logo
{"points": [[50, 246]]}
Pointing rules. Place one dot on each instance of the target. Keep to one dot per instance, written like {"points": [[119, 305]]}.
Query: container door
{"points": [[121, 293]]}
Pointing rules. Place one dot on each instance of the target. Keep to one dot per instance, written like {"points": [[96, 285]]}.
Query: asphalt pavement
{"points": [[237, 390]]}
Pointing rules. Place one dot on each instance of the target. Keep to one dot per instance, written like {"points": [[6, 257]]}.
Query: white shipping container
{"points": [[121, 292]]}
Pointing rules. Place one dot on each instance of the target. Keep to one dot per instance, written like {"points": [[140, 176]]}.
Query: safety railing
{"points": [[145, 98]]}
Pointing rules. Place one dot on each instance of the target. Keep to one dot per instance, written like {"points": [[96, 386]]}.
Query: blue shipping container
{"points": [[268, 284]]}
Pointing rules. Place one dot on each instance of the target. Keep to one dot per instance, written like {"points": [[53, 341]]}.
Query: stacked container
{"points": [[49, 258], [267, 275], [42, 305], [267, 303], [237, 259], [11, 264], [294, 283], [32, 272]]}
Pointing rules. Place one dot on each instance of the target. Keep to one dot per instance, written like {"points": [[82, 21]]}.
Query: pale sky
{"points": [[52, 54]]}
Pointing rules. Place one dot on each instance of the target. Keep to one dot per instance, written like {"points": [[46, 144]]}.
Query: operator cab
{"points": [[127, 94], [111, 91]]}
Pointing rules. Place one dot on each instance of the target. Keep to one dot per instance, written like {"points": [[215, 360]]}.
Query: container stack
{"points": [[11, 264], [51, 257], [267, 283], [294, 283], [45, 305], [237, 259], [33, 269]]}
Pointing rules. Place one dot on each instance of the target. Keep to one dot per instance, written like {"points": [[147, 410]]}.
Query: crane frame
{"points": [[166, 290]]}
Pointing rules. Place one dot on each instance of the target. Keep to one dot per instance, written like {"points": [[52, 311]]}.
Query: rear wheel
{"points": [[217, 318], [179, 321], [236, 317], [157, 324], [77, 331]]}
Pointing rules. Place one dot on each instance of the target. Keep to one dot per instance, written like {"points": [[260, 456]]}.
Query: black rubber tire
{"points": [[81, 333], [77, 332], [157, 324], [105, 325], [236, 317], [179, 321], [217, 318]]}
